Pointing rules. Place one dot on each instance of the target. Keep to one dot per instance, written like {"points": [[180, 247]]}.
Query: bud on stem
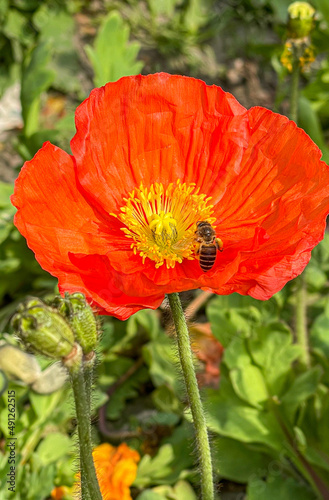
{"points": [[81, 318], [301, 19], [42, 328], [298, 50]]}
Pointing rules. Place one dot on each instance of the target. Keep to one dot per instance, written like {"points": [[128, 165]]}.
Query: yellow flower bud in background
{"points": [[301, 19], [298, 48]]}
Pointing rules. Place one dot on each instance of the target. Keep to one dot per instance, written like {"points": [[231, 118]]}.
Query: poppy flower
{"points": [[116, 470], [61, 492], [153, 156]]}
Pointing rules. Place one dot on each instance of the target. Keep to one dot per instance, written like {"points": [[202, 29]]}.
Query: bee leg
{"points": [[219, 244], [197, 249]]}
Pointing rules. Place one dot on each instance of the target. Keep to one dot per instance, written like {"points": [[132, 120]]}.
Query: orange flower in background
{"points": [[60, 492], [153, 156], [116, 470], [209, 351]]}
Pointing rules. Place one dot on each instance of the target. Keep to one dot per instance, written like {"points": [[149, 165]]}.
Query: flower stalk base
{"points": [[199, 420], [301, 308], [89, 484]]}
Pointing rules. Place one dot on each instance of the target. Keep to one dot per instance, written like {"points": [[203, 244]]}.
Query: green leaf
{"points": [[154, 470], [148, 320], [249, 384], [320, 255], [116, 338], [227, 324], [36, 78], [5, 230], [161, 357], [53, 447], [278, 488], [43, 403], [181, 441], [319, 338], [236, 355], [3, 382], [304, 386], [319, 425], [316, 278], [112, 369], [6, 190], [150, 495], [27, 5], [57, 27], [318, 457], [4, 6], [267, 340], [323, 7], [238, 461], [229, 417], [309, 121], [181, 491], [272, 350], [113, 56], [196, 15], [184, 491], [7, 211], [162, 7], [17, 27], [165, 399]]}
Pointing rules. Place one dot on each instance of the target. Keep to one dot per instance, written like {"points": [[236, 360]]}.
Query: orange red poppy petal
{"points": [[268, 186]]}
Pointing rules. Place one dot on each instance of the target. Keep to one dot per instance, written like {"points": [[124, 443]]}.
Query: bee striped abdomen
{"points": [[207, 257]]}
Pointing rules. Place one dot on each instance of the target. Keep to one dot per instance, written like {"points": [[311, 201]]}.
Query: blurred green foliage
{"points": [[269, 417], [112, 56]]}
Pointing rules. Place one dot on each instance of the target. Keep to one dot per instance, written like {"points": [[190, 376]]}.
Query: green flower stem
{"points": [[301, 309], [88, 372], [89, 483], [294, 92], [199, 420], [301, 320]]}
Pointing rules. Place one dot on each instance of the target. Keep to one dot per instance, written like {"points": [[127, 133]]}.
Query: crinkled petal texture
{"points": [[269, 190]]}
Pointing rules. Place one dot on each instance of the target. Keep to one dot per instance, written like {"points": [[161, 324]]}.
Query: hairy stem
{"points": [[89, 484], [301, 309], [294, 92], [88, 372], [199, 420], [301, 320]]}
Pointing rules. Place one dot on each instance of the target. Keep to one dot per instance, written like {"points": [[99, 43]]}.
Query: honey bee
{"points": [[208, 245]]}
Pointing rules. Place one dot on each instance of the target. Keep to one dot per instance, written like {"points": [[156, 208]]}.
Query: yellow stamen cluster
{"points": [[162, 221]]}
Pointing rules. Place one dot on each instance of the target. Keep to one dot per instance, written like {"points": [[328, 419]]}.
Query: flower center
{"points": [[162, 222]]}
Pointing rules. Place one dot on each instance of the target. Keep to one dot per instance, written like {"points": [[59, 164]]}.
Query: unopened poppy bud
{"points": [[301, 19], [81, 318], [42, 328]]}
